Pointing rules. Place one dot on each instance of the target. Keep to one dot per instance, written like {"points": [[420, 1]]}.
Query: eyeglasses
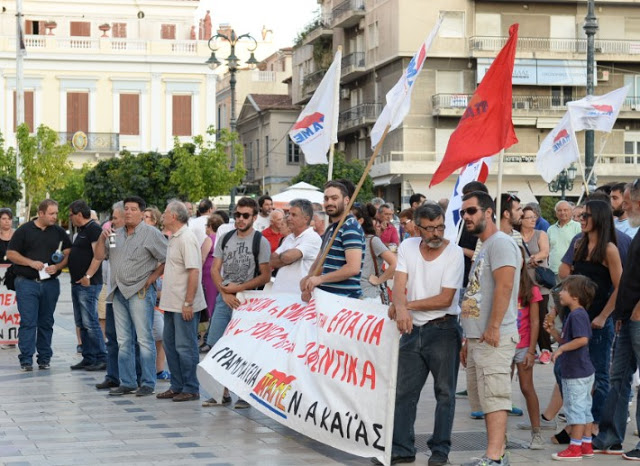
{"points": [[585, 215], [470, 210], [528, 218], [405, 222], [512, 197], [244, 215], [440, 228]]}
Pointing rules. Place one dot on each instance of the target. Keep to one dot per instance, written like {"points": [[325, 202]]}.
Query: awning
{"points": [[548, 123]]}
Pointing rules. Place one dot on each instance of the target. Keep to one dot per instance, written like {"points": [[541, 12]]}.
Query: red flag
{"points": [[485, 127]]}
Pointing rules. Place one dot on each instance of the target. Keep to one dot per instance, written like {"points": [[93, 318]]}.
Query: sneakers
{"points": [[537, 442], [573, 453], [79, 349], [615, 449], [241, 404], [204, 348], [212, 402], [438, 459], [476, 415], [163, 376], [545, 357], [26, 367], [462, 394], [145, 390], [587, 450], [396, 460], [121, 390], [107, 384], [43, 366], [544, 425], [515, 411], [82, 365], [484, 461], [633, 455], [561, 438]]}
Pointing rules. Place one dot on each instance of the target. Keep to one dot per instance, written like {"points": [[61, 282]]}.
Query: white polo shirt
{"points": [[289, 276]]}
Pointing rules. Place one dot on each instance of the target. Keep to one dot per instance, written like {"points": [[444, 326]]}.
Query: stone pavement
{"points": [[57, 417]]}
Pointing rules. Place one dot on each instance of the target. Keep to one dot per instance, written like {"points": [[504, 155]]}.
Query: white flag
{"points": [[399, 97], [475, 171], [317, 125], [558, 150], [597, 112]]}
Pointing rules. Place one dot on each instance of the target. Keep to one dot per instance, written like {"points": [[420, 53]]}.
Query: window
{"points": [[449, 82], [266, 151], [257, 153], [80, 28], [373, 35], [77, 112], [249, 155], [119, 30], [35, 28], [487, 24], [181, 115], [560, 95], [168, 31], [28, 110], [452, 25], [130, 114], [293, 152]]}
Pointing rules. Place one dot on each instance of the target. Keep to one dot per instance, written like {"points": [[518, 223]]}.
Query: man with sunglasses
{"points": [[510, 218], [425, 307], [237, 266], [489, 319]]}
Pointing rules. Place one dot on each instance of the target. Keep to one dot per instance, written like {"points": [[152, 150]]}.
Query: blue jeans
{"points": [[180, 341], [134, 322], [85, 313], [600, 352], [36, 304], [112, 346], [431, 348], [626, 355], [219, 321], [577, 399]]}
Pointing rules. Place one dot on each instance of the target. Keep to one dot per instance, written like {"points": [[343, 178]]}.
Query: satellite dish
{"points": [[140, 14]]}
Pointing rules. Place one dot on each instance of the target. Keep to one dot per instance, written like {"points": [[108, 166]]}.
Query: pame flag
{"points": [[399, 97], [317, 125], [475, 171], [558, 150], [597, 112]]}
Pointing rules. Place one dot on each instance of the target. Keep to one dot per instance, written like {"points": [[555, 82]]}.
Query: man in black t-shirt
{"points": [[39, 251], [85, 268]]}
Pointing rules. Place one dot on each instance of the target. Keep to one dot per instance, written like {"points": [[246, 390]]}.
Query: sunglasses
{"points": [[405, 222], [244, 215], [585, 215], [440, 228], [470, 210], [512, 197]]}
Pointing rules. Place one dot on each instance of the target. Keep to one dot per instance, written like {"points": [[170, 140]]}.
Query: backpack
{"points": [[255, 248]]}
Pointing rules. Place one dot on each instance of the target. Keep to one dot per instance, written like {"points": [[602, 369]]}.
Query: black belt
{"points": [[444, 318]]}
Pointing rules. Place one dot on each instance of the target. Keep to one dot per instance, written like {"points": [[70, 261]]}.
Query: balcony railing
{"points": [[312, 80], [129, 44], [35, 42], [353, 63], [184, 46], [359, 115], [545, 44], [348, 13], [96, 142], [520, 102], [78, 43]]}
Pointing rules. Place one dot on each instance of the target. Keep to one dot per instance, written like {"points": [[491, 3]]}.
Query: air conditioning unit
{"points": [[521, 105], [345, 93], [603, 75]]}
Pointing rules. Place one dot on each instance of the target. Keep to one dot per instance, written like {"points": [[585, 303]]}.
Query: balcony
{"points": [[358, 117], [322, 31], [348, 13], [95, 142], [629, 49], [311, 82], [352, 66]]}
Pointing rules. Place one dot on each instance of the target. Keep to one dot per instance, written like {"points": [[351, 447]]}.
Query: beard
{"points": [[619, 212], [435, 243], [478, 228], [634, 220]]}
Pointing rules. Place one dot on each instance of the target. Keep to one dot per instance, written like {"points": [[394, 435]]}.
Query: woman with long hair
{"points": [[596, 256], [6, 232], [537, 254], [210, 291], [370, 281]]}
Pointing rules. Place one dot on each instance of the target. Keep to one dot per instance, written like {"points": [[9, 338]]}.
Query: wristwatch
{"points": [[186, 304], [88, 277]]}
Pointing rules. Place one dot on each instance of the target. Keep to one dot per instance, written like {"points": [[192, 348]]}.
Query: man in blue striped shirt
{"points": [[341, 269]]}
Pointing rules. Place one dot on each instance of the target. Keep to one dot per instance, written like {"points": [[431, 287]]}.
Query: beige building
{"points": [[379, 38]]}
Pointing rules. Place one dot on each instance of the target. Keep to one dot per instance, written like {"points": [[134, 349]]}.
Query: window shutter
{"points": [[168, 31], [28, 110], [77, 112], [119, 30], [181, 115], [80, 28], [130, 114]]}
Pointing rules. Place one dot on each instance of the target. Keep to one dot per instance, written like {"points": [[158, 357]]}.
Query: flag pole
{"points": [[336, 96], [366, 171], [604, 143], [499, 195]]}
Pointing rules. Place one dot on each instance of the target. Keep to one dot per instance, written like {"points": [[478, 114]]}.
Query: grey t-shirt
{"points": [[498, 251], [368, 290], [238, 263]]}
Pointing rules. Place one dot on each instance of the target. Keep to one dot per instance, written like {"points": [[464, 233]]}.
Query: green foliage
{"points": [[71, 191], [317, 175], [9, 186], [45, 162], [548, 208], [315, 23]]}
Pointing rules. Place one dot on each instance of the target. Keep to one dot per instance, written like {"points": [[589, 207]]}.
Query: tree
{"points": [[71, 191], [99, 186], [9, 186], [317, 175], [203, 168], [45, 162]]}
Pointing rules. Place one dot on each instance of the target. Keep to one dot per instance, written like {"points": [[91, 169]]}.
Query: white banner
{"points": [[9, 316], [598, 112], [326, 369], [558, 150]]}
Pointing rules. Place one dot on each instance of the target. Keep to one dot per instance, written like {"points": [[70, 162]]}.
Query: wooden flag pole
{"points": [[593, 170], [367, 169], [336, 100], [499, 195]]}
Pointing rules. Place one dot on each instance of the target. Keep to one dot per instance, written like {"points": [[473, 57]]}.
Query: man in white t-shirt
{"points": [[265, 206], [199, 224], [296, 254], [425, 307]]}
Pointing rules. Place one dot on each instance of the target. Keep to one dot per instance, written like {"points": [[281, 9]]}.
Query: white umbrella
{"points": [[300, 190]]}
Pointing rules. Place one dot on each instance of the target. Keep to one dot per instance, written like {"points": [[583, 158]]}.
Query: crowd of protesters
{"points": [[510, 292]]}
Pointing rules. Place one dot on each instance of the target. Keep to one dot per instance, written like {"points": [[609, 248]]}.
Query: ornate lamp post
{"points": [[232, 66], [590, 28], [564, 181]]}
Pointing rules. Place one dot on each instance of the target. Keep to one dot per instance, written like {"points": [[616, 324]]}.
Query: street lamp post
{"points": [[232, 66], [564, 181], [590, 28]]}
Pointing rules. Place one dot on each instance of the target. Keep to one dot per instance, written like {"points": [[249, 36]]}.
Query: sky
{"points": [[285, 17]]}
